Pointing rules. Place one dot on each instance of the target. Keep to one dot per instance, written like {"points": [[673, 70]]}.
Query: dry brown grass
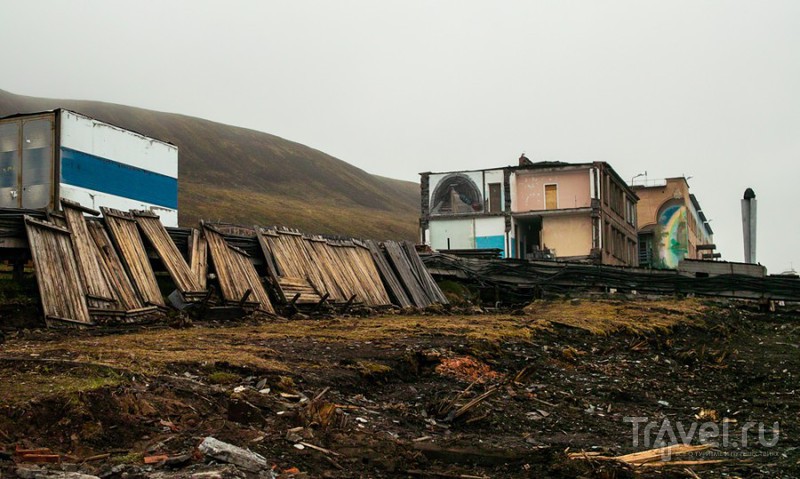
{"points": [[153, 352], [605, 316]]}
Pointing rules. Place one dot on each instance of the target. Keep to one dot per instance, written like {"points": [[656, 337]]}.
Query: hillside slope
{"points": [[245, 176]]}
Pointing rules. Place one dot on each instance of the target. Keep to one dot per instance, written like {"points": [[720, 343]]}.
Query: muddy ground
{"points": [[394, 396]]}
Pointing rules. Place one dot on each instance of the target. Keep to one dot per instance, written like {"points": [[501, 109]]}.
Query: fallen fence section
{"points": [[238, 279], [57, 273], [520, 280], [94, 270]]}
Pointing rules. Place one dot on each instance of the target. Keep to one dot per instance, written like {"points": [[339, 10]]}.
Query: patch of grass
{"points": [[21, 385], [458, 293], [372, 369], [606, 316], [223, 377]]}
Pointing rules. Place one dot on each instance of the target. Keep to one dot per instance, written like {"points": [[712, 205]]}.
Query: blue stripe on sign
{"points": [[114, 178]]}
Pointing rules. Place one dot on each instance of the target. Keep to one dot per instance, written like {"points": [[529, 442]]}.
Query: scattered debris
{"points": [[243, 458]]}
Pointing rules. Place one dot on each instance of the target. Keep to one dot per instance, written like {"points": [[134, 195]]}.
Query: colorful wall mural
{"points": [[673, 244]]}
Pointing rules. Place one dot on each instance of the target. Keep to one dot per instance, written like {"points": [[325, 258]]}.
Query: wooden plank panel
{"points": [[113, 269], [399, 261], [185, 280], [198, 257], [57, 273], [395, 288], [90, 265], [125, 235], [290, 262], [423, 275], [235, 272]]}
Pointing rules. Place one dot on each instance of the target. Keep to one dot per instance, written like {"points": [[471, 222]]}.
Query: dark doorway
{"points": [[529, 237]]}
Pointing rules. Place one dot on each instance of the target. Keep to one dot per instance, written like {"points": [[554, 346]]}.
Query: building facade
{"points": [[547, 210], [672, 225]]}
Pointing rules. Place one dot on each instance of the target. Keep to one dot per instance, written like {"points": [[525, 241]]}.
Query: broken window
{"points": [[457, 193], [494, 198], [550, 197]]}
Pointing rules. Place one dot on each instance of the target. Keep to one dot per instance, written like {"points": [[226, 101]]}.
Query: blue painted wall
{"points": [[498, 241]]}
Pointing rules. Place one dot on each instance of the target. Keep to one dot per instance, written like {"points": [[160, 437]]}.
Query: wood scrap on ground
{"points": [[652, 458]]}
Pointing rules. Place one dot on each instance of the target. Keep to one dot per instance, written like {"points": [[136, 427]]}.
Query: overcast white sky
{"points": [[706, 89]]}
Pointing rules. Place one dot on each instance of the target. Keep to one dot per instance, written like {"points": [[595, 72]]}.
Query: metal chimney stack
{"points": [[749, 225]]}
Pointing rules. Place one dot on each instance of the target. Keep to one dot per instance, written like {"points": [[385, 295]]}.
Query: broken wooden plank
{"points": [[57, 273], [125, 235], [179, 270]]}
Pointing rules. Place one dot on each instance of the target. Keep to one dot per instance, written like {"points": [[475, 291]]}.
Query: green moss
{"points": [[223, 377]]}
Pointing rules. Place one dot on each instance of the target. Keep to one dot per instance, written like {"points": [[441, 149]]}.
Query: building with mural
{"points": [[672, 225], [544, 210]]}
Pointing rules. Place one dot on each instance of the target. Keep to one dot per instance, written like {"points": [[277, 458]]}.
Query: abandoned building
{"points": [[672, 225], [545, 210], [58, 154]]}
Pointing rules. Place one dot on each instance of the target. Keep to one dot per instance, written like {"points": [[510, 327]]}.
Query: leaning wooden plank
{"points": [[423, 275], [179, 270], [393, 285], [125, 234], [90, 264], [57, 273], [371, 275], [198, 257], [399, 261], [113, 269], [237, 276], [329, 282]]}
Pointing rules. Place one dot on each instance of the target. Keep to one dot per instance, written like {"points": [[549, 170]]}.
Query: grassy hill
{"points": [[250, 177]]}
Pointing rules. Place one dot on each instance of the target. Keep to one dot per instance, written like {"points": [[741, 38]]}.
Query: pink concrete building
{"points": [[546, 210]]}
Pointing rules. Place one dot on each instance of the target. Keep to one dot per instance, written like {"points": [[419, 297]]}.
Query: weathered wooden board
{"points": [[113, 269], [57, 273], [390, 280], [423, 275], [198, 257], [290, 266], [179, 270], [97, 287], [331, 279], [125, 235], [357, 263], [399, 261], [236, 274]]}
